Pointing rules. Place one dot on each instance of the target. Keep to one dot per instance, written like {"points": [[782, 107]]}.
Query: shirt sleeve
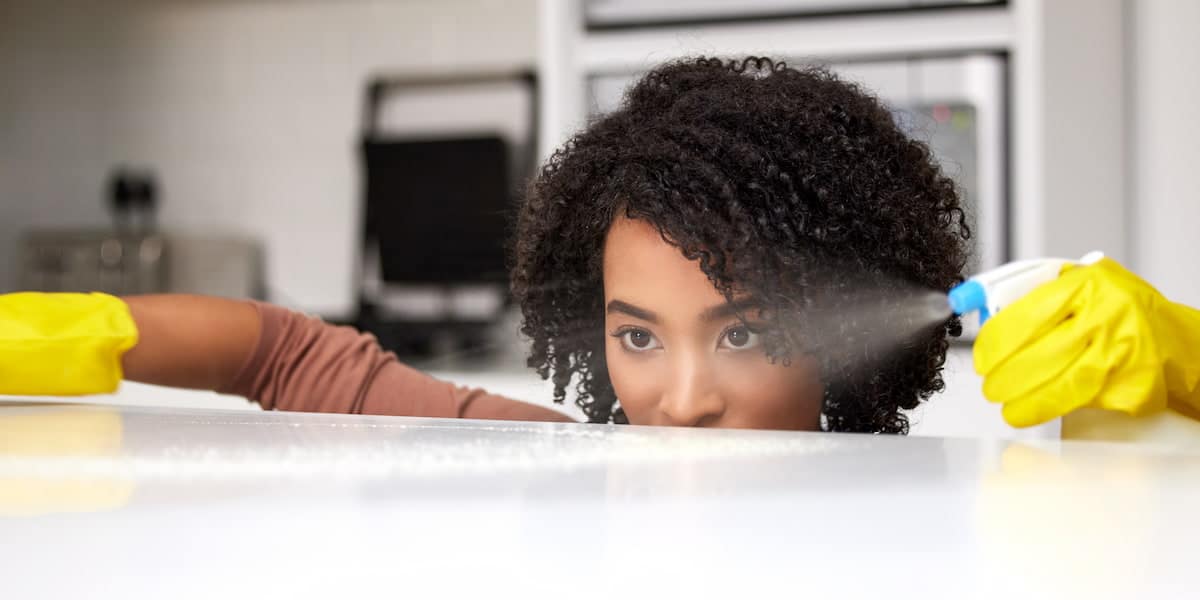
{"points": [[303, 364]]}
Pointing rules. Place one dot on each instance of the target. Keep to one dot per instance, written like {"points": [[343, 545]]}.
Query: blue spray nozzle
{"points": [[968, 296]]}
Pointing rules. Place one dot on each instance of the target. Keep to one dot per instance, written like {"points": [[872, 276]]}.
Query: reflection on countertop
{"points": [[308, 505]]}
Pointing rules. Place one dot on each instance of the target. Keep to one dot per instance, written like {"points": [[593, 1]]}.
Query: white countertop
{"points": [[131, 502], [958, 411]]}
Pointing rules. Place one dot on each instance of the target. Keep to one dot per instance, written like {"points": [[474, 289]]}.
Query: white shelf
{"points": [[835, 38]]}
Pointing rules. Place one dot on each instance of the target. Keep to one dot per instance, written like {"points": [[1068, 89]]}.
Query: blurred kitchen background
{"points": [[310, 152]]}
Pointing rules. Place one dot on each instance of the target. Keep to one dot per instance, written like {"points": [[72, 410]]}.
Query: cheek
{"points": [[762, 395], [757, 394], [634, 380]]}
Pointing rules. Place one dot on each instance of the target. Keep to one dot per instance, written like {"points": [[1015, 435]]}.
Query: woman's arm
{"points": [[77, 344], [189, 341]]}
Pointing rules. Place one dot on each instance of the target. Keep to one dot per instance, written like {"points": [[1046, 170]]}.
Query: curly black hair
{"points": [[789, 185]]}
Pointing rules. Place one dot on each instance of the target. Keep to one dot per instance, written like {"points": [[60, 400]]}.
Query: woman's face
{"points": [[677, 355]]}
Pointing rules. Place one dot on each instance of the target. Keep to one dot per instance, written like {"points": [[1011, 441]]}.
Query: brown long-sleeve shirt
{"points": [[303, 364]]}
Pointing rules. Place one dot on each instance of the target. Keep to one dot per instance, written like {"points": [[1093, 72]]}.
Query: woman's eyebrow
{"points": [[728, 309], [616, 306]]}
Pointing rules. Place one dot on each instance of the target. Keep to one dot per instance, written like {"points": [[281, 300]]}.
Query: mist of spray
{"points": [[869, 322]]}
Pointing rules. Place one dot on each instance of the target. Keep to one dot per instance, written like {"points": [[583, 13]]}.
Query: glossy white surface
{"points": [[149, 503]]}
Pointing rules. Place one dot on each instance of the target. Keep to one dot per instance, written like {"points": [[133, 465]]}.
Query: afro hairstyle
{"points": [[787, 185]]}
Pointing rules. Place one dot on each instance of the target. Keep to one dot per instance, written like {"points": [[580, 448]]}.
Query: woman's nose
{"points": [[692, 399]]}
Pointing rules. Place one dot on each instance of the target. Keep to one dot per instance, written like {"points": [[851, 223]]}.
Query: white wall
{"points": [[1165, 117], [1068, 150], [247, 109]]}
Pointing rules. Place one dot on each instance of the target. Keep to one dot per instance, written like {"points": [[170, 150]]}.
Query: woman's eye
{"points": [[637, 340], [739, 338]]}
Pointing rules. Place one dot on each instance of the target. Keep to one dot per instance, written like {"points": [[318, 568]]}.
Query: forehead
{"points": [[642, 268]]}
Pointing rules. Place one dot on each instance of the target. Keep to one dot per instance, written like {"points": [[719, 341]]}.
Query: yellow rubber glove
{"points": [[1097, 337], [63, 344]]}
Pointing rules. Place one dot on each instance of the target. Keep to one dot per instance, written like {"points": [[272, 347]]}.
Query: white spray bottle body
{"points": [[990, 291]]}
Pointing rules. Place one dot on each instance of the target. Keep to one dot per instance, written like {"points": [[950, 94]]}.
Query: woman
{"points": [[739, 181], [686, 260]]}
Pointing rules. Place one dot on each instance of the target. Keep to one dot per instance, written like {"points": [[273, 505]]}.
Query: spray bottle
{"points": [[991, 291]]}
